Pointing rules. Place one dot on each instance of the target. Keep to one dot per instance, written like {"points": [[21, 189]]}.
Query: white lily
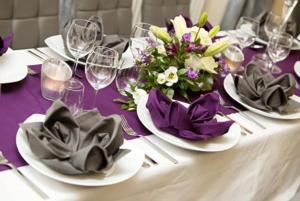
{"points": [[137, 94], [171, 76], [161, 49], [161, 78], [201, 63], [204, 37], [179, 26]]}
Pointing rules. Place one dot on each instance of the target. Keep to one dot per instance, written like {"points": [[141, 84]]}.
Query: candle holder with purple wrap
{"points": [[180, 59]]}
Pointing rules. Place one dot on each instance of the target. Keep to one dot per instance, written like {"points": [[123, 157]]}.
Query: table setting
{"points": [[161, 110]]}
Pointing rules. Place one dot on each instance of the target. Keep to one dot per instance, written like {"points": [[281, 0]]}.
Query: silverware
{"points": [[224, 104], [4, 161], [36, 55], [131, 132]]}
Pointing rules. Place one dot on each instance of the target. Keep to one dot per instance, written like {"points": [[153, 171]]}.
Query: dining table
{"points": [[262, 166]]}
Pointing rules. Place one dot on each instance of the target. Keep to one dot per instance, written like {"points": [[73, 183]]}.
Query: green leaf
{"points": [[170, 93], [182, 71]]}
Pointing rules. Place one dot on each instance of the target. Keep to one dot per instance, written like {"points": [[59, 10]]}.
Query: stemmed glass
{"points": [[273, 24], [101, 68], [278, 49], [80, 39], [246, 31], [140, 38]]}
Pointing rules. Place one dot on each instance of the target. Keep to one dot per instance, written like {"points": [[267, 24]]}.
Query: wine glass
{"points": [[80, 39], [101, 68], [246, 31], [273, 24], [140, 38], [278, 49]]}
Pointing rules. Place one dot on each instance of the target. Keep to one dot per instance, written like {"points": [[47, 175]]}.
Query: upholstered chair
{"points": [[159, 11], [30, 21], [116, 14]]}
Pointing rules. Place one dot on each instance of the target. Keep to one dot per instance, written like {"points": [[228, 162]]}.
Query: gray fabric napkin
{"points": [[265, 92], [112, 41], [75, 145]]}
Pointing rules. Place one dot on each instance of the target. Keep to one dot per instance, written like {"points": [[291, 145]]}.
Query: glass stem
{"points": [[75, 66], [95, 97]]}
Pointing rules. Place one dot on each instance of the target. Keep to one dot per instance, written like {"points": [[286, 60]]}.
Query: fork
{"points": [[5, 162], [129, 130], [226, 105]]}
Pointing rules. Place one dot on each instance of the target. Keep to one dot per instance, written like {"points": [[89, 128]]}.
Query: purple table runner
{"points": [[19, 100]]}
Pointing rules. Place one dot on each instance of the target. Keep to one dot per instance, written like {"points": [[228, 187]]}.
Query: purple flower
{"points": [[186, 37], [151, 42], [145, 57], [192, 74], [172, 49], [194, 48]]}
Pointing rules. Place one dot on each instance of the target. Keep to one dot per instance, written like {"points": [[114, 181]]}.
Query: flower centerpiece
{"points": [[179, 59]]}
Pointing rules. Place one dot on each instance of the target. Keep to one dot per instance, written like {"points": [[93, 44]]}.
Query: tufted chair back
{"points": [[30, 21], [157, 12], [116, 14]]}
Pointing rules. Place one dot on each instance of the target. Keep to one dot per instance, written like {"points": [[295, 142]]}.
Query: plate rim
{"points": [[23, 74], [80, 181], [229, 90], [141, 106]]}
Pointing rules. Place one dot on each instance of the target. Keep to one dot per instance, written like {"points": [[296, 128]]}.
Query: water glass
{"points": [[55, 73], [80, 38], [273, 24], [246, 31], [73, 96], [101, 68], [278, 49]]}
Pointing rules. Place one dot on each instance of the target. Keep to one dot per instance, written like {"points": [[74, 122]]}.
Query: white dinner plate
{"points": [[56, 44], [12, 67], [297, 68], [220, 143], [124, 168], [231, 91]]}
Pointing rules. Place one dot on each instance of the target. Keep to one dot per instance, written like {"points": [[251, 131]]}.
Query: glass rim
{"points": [[139, 25], [250, 19], [79, 86], [84, 20], [116, 54], [57, 62]]}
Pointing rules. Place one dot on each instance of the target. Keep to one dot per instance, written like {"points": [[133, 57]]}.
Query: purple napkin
{"points": [[5, 43], [196, 122]]}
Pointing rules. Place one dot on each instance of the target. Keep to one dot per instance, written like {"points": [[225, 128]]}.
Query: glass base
{"points": [[275, 70]]}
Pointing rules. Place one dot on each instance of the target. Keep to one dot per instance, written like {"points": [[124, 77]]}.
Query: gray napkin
{"points": [[112, 41], [75, 145], [264, 92]]}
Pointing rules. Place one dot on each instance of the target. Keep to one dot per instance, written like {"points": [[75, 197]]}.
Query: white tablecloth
{"points": [[264, 166]]}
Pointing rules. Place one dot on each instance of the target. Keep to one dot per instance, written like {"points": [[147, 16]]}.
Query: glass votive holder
{"points": [[234, 58], [73, 95], [54, 74]]}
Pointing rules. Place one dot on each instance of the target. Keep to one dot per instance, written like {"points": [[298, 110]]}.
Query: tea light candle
{"points": [[54, 75], [234, 58]]}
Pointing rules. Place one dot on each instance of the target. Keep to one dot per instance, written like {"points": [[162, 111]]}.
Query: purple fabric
{"points": [[19, 100], [5, 43], [196, 122]]}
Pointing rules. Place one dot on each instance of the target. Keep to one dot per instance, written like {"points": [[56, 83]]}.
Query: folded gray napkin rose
{"points": [[265, 92], [75, 145], [112, 41]]}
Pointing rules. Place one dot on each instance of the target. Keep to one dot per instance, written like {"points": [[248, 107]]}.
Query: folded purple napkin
{"points": [[197, 122], [75, 145], [5, 43]]}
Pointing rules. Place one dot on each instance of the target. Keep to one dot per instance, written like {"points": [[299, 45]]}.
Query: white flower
{"points": [[197, 62], [137, 94], [171, 76], [204, 37], [179, 26], [161, 78], [161, 49], [194, 30]]}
